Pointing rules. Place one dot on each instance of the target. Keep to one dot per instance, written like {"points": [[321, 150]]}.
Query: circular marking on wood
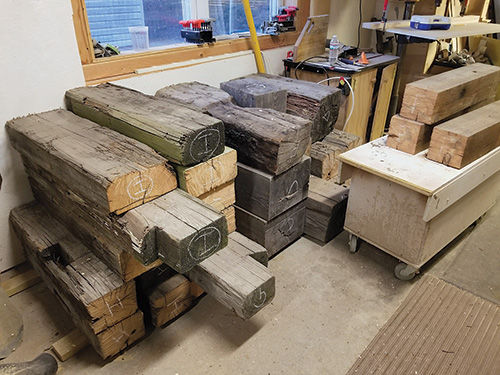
{"points": [[293, 189], [256, 87], [199, 247], [204, 144], [259, 299], [140, 187]]}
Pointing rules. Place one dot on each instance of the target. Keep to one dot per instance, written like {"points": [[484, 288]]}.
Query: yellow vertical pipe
{"points": [[253, 37]]}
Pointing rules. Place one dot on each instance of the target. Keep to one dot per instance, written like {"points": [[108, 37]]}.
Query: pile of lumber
{"points": [[453, 114], [273, 171], [108, 212]]}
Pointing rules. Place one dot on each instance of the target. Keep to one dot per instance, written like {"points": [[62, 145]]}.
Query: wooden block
{"points": [[195, 290], [230, 218], [186, 231], [324, 160], [408, 135], [267, 195], [221, 197], [311, 41], [169, 299], [248, 92], [107, 168], [204, 177], [99, 302], [325, 209], [69, 345], [341, 138], [20, 282], [318, 103], [182, 135], [275, 234], [462, 140], [240, 283], [440, 96], [264, 138]]}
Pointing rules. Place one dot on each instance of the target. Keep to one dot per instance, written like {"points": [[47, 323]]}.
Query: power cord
{"points": [[310, 58], [352, 94]]}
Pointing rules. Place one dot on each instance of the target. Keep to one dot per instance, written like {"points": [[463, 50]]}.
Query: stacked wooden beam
{"points": [[430, 101], [324, 154], [317, 103], [118, 198], [273, 173]]}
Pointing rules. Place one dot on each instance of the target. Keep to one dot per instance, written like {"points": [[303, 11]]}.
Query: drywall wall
{"points": [[211, 71], [38, 62], [344, 19]]}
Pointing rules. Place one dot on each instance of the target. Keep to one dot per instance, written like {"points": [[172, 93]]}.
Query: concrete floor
{"points": [[329, 305]]}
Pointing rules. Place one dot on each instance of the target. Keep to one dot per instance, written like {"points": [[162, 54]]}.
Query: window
{"points": [[167, 51], [109, 20]]}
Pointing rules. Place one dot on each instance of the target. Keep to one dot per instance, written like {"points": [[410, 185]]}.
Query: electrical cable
{"points": [[352, 93], [309, 58]]}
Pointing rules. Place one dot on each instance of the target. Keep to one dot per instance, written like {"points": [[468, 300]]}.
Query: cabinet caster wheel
{"points": [[353, 243], [404, 272]]}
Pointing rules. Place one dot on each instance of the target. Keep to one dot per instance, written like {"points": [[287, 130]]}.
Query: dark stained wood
{"points": [[249, 92], [318, 103], [182, 135], [267, 195], [105, 167], [325, 209], [99, 302], [275, 234], [438, 97], [462, 140], [266, 139]]}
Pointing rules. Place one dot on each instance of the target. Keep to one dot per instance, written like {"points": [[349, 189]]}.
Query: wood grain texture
{"points": [[67, 346], [462, 140], [267, 195], [325, 163], [311, 41], [407, 135], [275, 234], [344, 139], [246, 247], [186, 231], [105, 167], [181, 134], [249, 92], [317, 103], [169, 299], [98, 300], [18, 283], [221, 197], [383, 100], [230, 215], [239, 282], [440, 96], [325, 209], [264, 138], [204, 177]]}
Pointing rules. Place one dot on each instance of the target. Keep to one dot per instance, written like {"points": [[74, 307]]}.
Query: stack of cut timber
{"points": [[324, 154], [117, 197], [325, 209], [428, 102], [317, 103], [102, 306], [273, 173], [213, 182]]}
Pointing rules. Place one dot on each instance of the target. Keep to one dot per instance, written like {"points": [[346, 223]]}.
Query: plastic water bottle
{"points": [[334, 50]]}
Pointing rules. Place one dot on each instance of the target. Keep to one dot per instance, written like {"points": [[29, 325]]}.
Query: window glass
{"points": [[110, 20]]}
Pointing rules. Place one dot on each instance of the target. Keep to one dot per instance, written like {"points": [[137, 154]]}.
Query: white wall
{"points": [[39, 61]]}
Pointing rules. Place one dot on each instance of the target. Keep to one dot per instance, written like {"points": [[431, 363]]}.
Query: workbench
{"points": [[412, 207], [377, 76]]}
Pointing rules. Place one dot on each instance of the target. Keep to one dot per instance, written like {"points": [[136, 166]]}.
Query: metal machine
{"points": [[282, 22]]}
